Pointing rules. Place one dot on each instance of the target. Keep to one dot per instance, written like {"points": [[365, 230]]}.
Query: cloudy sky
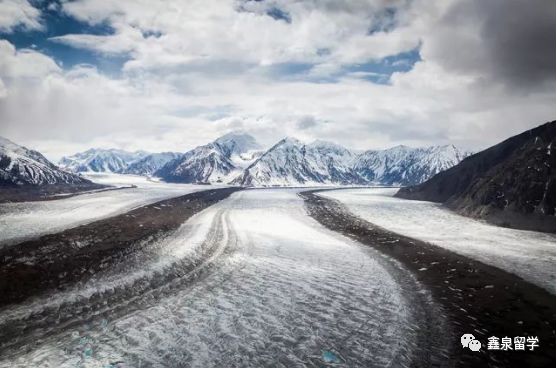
{"points": [[172, 74]]}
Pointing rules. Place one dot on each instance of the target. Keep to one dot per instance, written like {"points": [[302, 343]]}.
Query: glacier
{"points": [[24, 220], [528, 254], [282, 290]]}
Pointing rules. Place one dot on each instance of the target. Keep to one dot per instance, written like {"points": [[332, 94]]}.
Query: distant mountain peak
{"points": [[289, 141], [218, 161], [151, 163], [404, 165], [101, 160], [291, 162], [238, 142]]}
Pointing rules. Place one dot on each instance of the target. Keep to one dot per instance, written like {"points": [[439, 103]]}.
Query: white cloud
{"points": [[122, 42], [15, 13], [3, 89], [201, 30], [198, 69], [24, 63]]}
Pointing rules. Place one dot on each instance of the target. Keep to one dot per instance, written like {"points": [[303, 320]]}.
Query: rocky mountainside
{"points": [[27, 175], [402, 165], [21, 166], [149, 164], [101, 160], [290, 162], [217, 162], [510, 184]]}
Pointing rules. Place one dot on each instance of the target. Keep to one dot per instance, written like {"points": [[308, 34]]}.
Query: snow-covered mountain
{"points": [[291, 162], [149, 164], [21, 166], [237, 158], [402, 165], [237, 144], [101, 160], [216, 162]]}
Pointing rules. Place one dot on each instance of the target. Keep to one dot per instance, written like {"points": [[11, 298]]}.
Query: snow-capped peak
{"points": [[219, 161], [101, 160], [237, 143], [291, 162], [403, 165]]}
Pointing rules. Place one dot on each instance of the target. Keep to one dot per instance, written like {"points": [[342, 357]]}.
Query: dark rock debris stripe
{"points": [[55, 261]]}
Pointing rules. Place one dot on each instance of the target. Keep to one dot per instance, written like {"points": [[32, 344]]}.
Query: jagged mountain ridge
{"points": [[217, 162], [290, 162], [511, 183], [20, 166], [117, 161], [403, 165], [236, 158], [101, 160]]}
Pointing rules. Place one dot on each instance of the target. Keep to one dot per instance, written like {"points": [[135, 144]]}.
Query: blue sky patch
{"points": [[278, 14], [56, 23], [375, 71], [380, 71], [383, 21]]}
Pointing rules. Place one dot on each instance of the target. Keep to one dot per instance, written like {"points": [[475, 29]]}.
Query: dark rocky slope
{"points": [[510, 184], [27, 175]]}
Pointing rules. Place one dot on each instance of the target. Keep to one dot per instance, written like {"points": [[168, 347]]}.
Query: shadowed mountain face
{"points": [[510, 184], [27, 175], [20, 166]]}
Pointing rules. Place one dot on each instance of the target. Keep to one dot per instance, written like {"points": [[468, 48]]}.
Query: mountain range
{"points": [[402, 165], [238, 159], [217, 162], [115, 161], [511, 183], [291, 162]]}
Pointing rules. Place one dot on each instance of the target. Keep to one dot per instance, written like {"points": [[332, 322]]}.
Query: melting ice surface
{"points": [[23, 220], [282, 291], [528, 254]]}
